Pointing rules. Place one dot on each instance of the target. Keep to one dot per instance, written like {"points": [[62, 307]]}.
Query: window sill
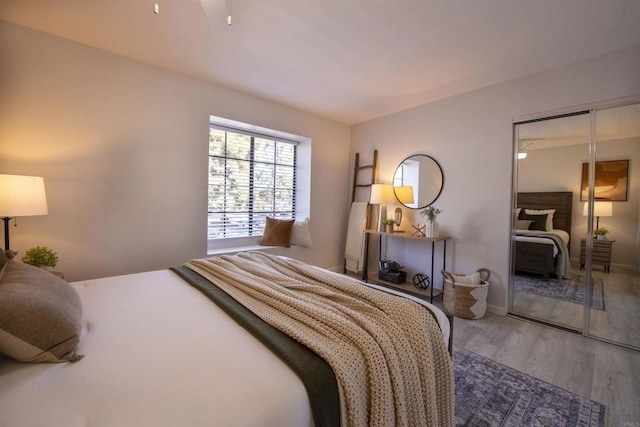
{"points": [[237, 249]]}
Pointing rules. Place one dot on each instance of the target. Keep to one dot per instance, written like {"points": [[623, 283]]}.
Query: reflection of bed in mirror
{"points": [[544, 251]]}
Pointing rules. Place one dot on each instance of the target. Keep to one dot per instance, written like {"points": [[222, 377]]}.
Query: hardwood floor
{"points": [[618, 322], [595, 370]]}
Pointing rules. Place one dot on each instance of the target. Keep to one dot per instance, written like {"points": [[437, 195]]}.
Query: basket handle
{"points": [[449, 277], [484, 274]]}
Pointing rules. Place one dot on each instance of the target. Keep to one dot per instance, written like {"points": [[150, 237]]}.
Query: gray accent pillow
{"points": [[41, 315]]}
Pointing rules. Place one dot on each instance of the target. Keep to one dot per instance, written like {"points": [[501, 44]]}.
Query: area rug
{"points": [[491, 394], [571, 289]]}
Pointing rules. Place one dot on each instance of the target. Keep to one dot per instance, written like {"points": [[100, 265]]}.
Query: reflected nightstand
{"points": [[601, 253]]}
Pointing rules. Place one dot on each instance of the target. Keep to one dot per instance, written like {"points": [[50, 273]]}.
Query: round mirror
{"points": [[418, 181]]}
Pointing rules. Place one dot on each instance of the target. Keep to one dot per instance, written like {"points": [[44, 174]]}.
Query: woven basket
{"points": [[466, 300]]}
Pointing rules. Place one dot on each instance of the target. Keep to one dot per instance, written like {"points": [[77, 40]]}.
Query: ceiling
{"points": [[346, 60]]}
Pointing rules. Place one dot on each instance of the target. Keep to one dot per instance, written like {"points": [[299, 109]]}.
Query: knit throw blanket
{"points": [[387, 353]]}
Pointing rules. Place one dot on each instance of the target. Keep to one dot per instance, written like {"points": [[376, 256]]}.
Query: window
{"points": [[251, 176]]}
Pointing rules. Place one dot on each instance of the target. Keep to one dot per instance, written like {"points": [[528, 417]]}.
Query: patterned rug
{"points": [[571, 289], [491, 394]]}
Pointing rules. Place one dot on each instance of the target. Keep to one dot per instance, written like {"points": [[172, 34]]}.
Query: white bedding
{"points": [[157, 353], [539, 237]]}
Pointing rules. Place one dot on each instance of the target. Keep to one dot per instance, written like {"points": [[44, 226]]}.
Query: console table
{"points": [[407, 286]]}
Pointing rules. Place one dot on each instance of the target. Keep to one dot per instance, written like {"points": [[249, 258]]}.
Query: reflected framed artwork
{"points": [[611, 181]]}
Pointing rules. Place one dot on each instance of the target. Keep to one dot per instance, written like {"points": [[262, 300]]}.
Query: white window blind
{"points": [[250, 177]]}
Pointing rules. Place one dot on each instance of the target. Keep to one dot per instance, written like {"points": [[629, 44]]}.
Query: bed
{"points": [[544, 252], [157, 351]]}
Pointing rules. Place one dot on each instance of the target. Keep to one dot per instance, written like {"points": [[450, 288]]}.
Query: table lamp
{"points": [[381, 194], [599, 209], [20, 195]]}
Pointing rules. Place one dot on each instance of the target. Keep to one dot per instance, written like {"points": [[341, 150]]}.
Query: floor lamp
{"points": [[20, 195]]}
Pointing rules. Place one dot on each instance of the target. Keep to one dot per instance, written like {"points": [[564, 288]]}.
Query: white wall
{"points": [[123, 150], [471, 137]]}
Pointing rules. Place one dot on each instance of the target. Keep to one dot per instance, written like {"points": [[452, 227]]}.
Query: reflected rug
{"points": [[571, 289], [491, 394]]}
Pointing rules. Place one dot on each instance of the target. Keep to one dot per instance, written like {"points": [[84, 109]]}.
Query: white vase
{"points": [[432, 229]]}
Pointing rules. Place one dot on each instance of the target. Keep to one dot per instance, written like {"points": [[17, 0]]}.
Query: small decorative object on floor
{"points": [[466, 296], [392, 272], [432, 228], [421, 281]]}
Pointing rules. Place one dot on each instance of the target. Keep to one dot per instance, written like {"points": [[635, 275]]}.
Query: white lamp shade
{"points": [[404, 193], [382, 194], [599, 209], [22, 195]]}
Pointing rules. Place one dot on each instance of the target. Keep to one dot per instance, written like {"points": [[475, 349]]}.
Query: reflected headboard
{"points": [[561, 201]]}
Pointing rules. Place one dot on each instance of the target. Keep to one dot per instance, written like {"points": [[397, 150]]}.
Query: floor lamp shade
{"points": [[21, 195]]}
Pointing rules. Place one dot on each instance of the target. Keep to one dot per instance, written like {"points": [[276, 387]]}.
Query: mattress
{"points": [[157, 353]]}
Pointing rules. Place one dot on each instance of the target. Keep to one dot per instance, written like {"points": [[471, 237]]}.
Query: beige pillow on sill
{"points": [[277, 232]]}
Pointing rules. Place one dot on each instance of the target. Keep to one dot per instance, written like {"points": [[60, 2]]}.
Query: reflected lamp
{"points": [[404, 194], [599, 209]]}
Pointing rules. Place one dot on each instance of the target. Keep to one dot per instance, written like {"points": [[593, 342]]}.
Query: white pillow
{"points": [[301, 233], [518, 212], [549, 212]]}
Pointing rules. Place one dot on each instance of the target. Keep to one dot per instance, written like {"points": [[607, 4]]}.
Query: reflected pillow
{"points": [[523, 224], [277, 232], [538, 222], [549, 212], [301, 233]]}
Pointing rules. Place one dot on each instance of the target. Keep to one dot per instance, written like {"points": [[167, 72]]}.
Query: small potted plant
{"points": [[41, 256], [601, 233], [388, 224], [392, 272], [432, 228]]}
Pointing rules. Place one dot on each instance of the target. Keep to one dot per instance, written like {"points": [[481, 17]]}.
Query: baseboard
{"points": [[500, 311], [337, 269]]}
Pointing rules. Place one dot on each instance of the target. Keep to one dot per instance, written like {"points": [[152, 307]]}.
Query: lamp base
{"points": [[6, 220], [382, 215]]}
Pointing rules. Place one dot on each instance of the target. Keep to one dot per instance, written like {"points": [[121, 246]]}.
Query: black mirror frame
{"points": [[441, 186]]}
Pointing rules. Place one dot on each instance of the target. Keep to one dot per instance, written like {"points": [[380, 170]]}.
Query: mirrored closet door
{"points": [[615, 254], [576, 227]]}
